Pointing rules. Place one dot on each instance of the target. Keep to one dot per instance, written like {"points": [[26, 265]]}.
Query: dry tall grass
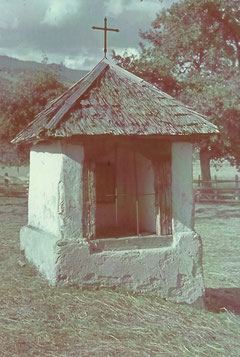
{"points": [[36, 320]]}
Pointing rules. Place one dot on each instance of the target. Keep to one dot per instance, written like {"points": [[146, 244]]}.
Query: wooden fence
{"points": [[13, 186], [217, 191]]}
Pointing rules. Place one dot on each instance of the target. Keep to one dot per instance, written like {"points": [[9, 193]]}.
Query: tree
{"points": [[20, 102], [192, 51]]}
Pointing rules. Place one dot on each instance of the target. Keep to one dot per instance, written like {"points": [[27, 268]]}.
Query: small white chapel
{"points": [[110, 197]]}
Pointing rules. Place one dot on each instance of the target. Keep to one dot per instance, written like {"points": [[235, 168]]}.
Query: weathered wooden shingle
{"points": [[112, 101]]}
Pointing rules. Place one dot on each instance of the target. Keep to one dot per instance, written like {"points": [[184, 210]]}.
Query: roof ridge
{"points": [[86, 81], [55, 100]]}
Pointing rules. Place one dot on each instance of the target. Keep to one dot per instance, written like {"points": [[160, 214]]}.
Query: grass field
{"points": [[37, 320]]}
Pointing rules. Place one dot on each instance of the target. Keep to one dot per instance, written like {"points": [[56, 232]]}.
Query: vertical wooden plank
{"points": [[237, 192], [163, 194], [116, 185], [156, 169], [89, 200], [166, 197], [92, 201], [136, 192]]}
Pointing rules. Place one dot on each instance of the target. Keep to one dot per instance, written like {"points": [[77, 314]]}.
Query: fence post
{"points": [[237, 192], [6, 182], [198, 190], [215, 191]]}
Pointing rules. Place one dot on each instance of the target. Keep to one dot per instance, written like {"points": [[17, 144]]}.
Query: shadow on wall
{"points": [[222, 299]]}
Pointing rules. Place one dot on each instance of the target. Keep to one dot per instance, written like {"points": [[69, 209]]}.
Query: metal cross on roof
{"points": [[105, 29]]}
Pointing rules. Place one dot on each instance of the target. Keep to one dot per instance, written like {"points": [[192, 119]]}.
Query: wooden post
{"points": [[199, 180], [215, 191], [6, 182], [198, 190], [89, 200], [136, 193], [116, 189], [163, 196], [156, 168], [237, 192], [166, 198]]}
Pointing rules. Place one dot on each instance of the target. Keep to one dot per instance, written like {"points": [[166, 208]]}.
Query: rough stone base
{"points": [[173, 273]]}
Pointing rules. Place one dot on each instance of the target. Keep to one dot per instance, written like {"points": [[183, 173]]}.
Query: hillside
{"points": [[12, 69]]}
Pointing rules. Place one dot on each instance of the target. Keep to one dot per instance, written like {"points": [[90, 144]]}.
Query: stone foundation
{"points": [[173, 272]]}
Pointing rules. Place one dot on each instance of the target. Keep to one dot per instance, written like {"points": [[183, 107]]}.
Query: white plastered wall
{"points": [[182, 190], [70, 192], [55, 190], [54, 203], [45, 175]]}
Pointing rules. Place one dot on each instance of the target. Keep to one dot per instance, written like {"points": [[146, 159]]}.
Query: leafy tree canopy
{"points": [[21, 101], [192, 51]]}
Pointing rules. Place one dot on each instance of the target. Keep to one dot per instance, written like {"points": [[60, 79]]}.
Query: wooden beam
{"points": [[163, 196], [89, 200], [136, 191]]}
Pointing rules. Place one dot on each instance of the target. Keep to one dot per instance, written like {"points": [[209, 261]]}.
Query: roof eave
{"points": [[172, 137]]}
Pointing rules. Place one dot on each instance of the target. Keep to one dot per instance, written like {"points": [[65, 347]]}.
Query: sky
{"points": [[61, 30]]}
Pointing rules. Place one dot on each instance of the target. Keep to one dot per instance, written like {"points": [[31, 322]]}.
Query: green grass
{"points": [[37, 320]]}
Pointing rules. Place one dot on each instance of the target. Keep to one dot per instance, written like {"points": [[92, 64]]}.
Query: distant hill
{"points": [[12, 69]]}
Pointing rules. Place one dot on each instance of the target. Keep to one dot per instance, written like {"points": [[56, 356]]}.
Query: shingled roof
{"points": [[111, 101]]}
